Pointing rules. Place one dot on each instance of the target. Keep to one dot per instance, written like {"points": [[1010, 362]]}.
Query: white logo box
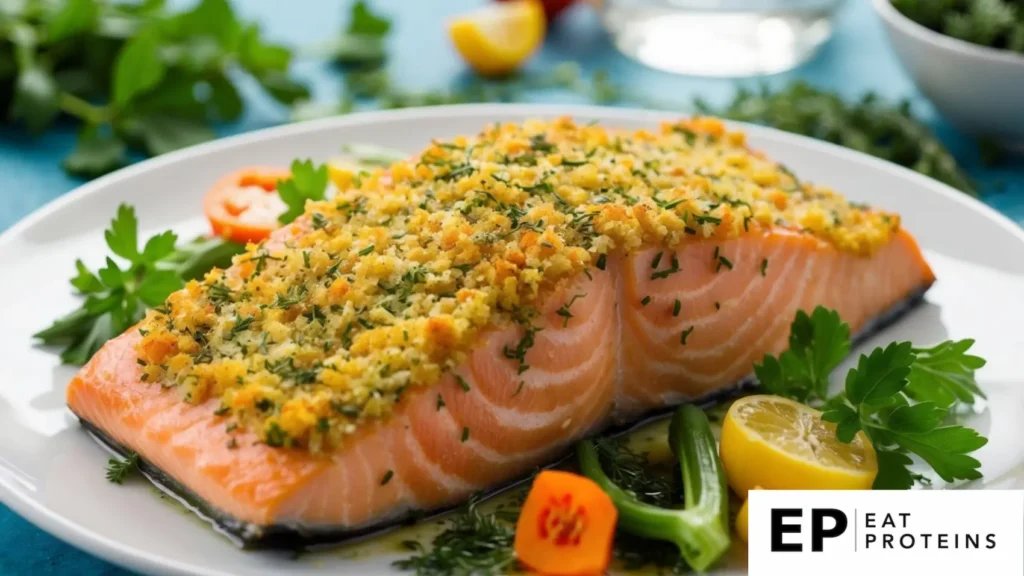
{"points": [[915, 532]]}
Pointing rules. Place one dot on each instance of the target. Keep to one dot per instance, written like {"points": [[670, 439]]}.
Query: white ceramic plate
{"points": [[52, 472]]}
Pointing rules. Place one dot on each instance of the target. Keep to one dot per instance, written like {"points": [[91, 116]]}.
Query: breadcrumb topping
{"points": [[389, 284]]}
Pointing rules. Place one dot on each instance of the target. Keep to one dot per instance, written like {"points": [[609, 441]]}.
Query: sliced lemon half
{"points": [[778, 444], [498, 38]]}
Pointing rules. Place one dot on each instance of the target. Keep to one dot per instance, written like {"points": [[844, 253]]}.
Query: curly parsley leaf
{"points": [[944, 374], [146, 77], [138, 68], [900, 396], [116, 295], [817, 344], [118, 470], [874, 402], [893, 470], [308, 182], [122, 236], [880, 375]]}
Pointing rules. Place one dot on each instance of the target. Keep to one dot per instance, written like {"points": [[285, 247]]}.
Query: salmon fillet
{"points": [[615, 359], [644, 328]]}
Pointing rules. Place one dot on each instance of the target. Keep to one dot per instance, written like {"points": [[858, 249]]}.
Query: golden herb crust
{"points": [[388, 284]]}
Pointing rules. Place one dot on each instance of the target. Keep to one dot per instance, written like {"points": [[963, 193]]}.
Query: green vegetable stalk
{"points": [[701, 528]]}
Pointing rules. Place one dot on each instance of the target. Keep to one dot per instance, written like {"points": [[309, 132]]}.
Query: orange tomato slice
{"points": [[243, 206], [566, 526]]}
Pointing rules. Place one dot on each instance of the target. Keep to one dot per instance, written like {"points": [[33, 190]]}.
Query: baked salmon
{"points": [[447, 327]]}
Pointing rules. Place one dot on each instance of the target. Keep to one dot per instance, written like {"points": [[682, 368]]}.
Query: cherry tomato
{"points": [[243, 206]]}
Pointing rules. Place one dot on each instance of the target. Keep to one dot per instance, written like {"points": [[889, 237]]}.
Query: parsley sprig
{"points": [[117, 295], [135, 76], [900, 396], [308, 182]]}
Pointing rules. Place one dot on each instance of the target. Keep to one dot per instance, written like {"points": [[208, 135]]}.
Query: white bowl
{"points": [[978, 89]]}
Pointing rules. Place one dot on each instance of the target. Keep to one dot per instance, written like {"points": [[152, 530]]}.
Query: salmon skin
{"points": [[618, 358]]}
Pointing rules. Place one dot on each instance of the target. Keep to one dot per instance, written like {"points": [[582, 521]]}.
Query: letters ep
{"points": [[782, 525]]}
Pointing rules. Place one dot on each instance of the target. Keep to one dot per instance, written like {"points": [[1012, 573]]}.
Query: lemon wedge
{"points": [[498, 38], [743, 521], [778, 444]]}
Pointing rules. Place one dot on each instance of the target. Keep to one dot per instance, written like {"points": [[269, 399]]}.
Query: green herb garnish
{"points": [[118, 470], [878, 396], [307, 182], [116, 296]]}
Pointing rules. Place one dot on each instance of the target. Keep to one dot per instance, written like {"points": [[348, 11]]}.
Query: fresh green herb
{"points": [[869, 125], [465, 433], [308, 182], [362, 42], [677, 306], [632, 472], [276, 437], [944, 374], [564, 312], [368, 250], [522, 347], [764, 267], [993, 23], [645, 301], [817, 344], [662, 274], [241, 325], [471, 543], [462, 384], [656, 261], [602, 261], [319, 221], [686, 334], [878, 394], [117, 294], [440, 402], [139, 77], [387, 477], [873, 401], [118, 470], [701, 529]]}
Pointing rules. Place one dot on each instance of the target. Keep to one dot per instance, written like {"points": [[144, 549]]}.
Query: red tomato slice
{"points": [[243, 206]]}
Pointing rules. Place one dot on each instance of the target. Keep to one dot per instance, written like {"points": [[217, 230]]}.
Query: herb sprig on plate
{"points": [[899, 395], [117, 295], [118, 470]]}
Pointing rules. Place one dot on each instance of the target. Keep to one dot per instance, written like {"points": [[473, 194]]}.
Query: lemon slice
{"points": [[777, 444], [743, 521], [496, 39]]}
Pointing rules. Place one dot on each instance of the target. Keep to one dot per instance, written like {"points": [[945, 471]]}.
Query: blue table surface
{"points": [[857, 60]]}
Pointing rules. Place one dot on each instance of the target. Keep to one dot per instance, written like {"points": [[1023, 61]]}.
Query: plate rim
{"points": [[118, 553]]}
